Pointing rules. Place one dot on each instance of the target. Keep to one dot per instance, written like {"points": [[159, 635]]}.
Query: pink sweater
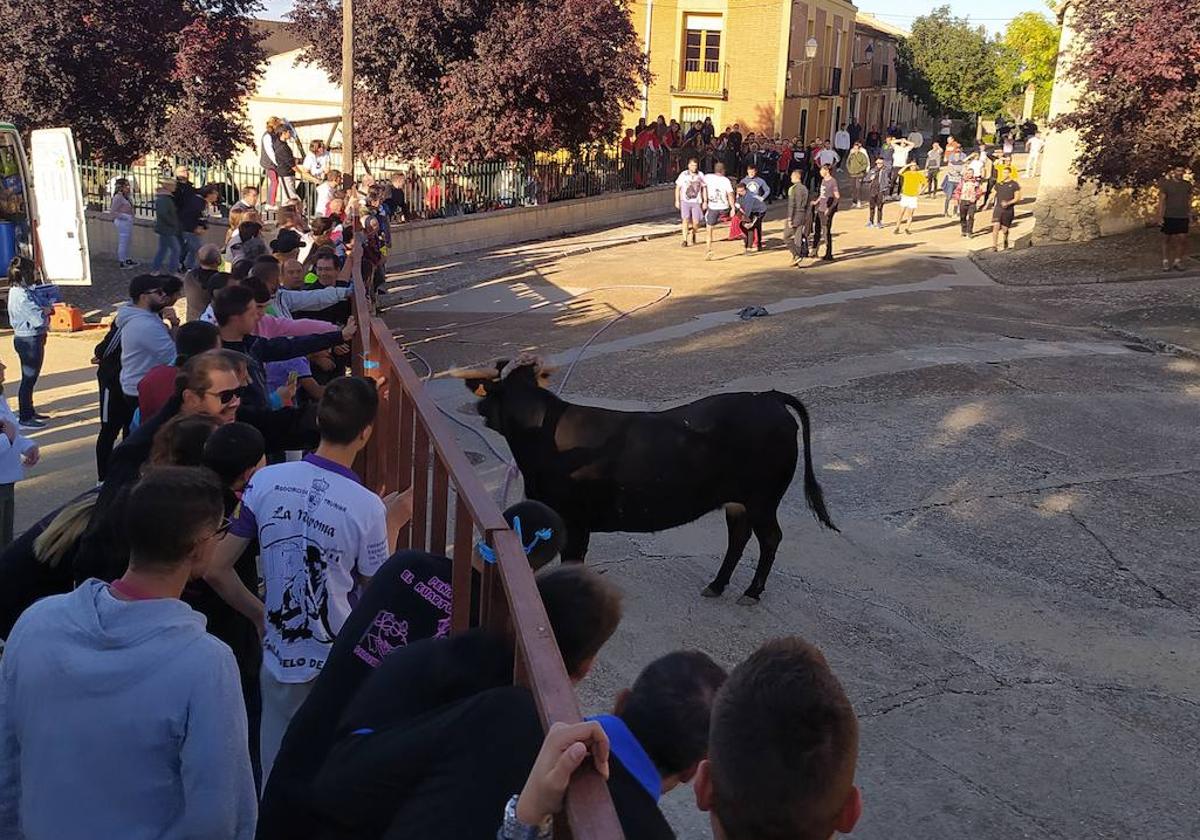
{"points": [[272, 326]]}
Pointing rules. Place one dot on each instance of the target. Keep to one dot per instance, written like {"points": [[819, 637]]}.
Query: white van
{"points": [[41, 207]]}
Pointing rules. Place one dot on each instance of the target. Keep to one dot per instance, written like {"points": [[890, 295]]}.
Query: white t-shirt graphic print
{"points": [[720, 191], [316, 525], [691, 186]]}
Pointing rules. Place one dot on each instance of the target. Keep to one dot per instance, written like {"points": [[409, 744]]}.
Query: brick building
{"points": [[874, 100], [774, 66]]}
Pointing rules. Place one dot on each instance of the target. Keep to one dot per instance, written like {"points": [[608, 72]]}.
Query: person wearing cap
{"points": [[286, 245], [166, 227], [146, 339], [408, 600]]}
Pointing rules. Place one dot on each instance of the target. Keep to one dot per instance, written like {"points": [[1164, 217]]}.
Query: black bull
{"points": [[644, 471]]}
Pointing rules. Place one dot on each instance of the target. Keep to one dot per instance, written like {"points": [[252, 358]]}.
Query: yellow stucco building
{"points": [[773, 66]]}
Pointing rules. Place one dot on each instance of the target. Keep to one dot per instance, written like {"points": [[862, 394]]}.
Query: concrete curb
{"points": [[975, 257]]}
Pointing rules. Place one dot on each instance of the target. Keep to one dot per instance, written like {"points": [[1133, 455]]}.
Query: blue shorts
{"points": [[690, 211]]}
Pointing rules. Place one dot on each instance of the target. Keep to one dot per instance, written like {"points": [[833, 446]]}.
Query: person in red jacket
{"points": [[158, 385]]}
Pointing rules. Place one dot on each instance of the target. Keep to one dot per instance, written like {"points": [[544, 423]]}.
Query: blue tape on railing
{"points": [[542, 535], [486, 552], [369, 365]]}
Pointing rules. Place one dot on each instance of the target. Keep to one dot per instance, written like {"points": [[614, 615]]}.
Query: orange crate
{"points": [[66, 318]]}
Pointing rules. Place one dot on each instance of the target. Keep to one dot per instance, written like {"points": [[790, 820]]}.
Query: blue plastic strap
{"points": [[489, 554]]}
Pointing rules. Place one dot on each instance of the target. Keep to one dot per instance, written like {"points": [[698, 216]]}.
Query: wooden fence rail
{"points": [[413, 446]]}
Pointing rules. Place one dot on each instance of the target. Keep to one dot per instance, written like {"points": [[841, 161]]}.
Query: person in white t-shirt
{"points": [[316, 163], [720, 201], [828, 157], [321, 534], [841, 143], [900, 149], [690, 199], [1033, 163]]}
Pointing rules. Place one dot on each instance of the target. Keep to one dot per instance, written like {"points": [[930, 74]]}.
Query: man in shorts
{"points": [[1008, 193], [690, 199], [1175, 208], [719, 191], [912, 180]]}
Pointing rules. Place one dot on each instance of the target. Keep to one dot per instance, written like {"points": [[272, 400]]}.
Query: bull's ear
{"points": [[544, 373], [479, 387]]}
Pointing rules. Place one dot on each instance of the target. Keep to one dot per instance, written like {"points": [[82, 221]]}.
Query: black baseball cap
{"points": [[286, 242], [144, 283]]}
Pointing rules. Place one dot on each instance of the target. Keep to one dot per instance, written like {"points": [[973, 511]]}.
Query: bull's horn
{"points": [[472, 373]]}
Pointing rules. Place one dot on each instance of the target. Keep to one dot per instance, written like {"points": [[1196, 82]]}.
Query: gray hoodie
{"points": [[145, 343], [121, 719]]}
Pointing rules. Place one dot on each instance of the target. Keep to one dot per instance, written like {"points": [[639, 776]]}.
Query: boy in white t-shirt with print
{"points": [[719, 190], [320, 533], [690, 199]]}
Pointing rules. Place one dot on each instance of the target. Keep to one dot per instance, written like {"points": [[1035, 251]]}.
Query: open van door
{"points": [[58, 209]]}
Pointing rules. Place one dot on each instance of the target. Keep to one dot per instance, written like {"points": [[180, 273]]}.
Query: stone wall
{"points": [[1067, 211], [418, 241]]}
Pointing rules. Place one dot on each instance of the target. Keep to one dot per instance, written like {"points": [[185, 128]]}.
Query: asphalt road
{"points": [[1012, 602]]}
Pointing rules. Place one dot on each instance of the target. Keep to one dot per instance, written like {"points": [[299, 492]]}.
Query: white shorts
{"points": [[908, 202]]}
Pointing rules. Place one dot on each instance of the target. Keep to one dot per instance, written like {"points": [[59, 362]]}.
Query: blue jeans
{"points": [[191, 245], [168, 252], [31, 350]]}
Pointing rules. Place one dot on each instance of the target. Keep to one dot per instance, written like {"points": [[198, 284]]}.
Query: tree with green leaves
{"points": [[1028, 53], [950, 66]]}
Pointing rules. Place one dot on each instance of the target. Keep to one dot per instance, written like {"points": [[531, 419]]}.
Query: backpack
{"points": [[108, 358]]}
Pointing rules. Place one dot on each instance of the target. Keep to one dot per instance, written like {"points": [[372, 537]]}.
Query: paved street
{"points": [[1012, 601]]}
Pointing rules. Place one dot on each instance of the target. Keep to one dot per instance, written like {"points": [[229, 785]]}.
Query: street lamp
{"points": [[810, 52], [869, 52]]}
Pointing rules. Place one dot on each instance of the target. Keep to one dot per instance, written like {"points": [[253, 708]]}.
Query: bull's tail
{"points": [[812, 489]]}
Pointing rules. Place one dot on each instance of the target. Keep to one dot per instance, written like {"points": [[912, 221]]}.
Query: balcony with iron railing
{"points": [[701, 77]]}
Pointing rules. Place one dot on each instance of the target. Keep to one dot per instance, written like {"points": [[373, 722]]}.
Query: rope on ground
{"points": [[511, 471]]}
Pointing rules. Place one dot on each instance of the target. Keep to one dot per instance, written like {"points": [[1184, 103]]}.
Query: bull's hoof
{"points": [[713, 591], [747, 600]]}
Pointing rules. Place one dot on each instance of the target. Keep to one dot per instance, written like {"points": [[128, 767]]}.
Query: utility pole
{"points": [[347, 87]]}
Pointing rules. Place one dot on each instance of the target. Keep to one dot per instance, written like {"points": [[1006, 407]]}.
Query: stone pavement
{"points": [[1011, 602]]}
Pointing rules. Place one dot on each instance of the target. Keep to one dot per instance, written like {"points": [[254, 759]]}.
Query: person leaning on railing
{"points": [[415, 723], [781, 709], [657, 735]]}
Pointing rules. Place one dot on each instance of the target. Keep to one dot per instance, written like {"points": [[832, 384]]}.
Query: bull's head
{"points": [[502, 386]]}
